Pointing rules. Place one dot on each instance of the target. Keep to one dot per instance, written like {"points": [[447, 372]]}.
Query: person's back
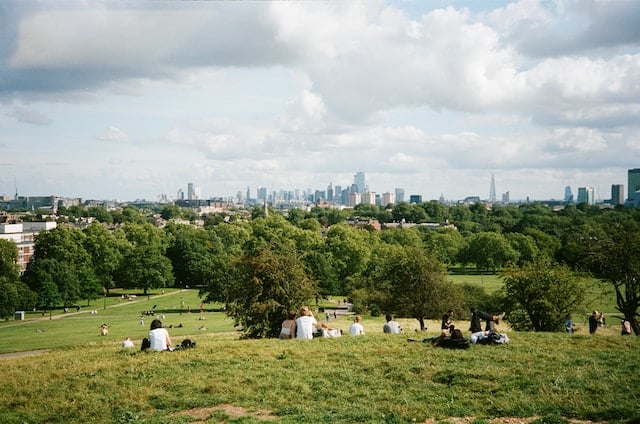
{"points": [[159, 336], [288, 329], [391, 327], [305, 324], [356, 329]]}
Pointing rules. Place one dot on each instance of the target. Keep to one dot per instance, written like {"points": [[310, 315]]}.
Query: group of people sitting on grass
{"points": [[451, 337], [305, 326]]}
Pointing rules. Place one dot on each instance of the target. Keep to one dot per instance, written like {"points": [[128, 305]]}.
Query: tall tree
{"points": [[267, 282], [144, 264], [60, 257], [545, 292], [105, 253], [13, 293], [616, 259], [407, 281]]}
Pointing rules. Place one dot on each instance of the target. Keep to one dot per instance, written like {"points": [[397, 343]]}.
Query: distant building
{"points": [[505, 197], [634, 182], [387, 199], [492, 190], [368, 198], [617, 194], [23, 234], [415, 198], [399, 195], [354, 199], [585, 195], [191, 193], [359, 182], [568, 195]]}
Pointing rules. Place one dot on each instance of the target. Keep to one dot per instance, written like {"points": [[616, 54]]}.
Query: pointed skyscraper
{"points": [[492, 190]]}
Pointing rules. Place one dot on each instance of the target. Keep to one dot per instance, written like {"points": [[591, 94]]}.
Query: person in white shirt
{"points": [[391, 326], [305, 324], [356, 329], [127, 342], [159, 337]]}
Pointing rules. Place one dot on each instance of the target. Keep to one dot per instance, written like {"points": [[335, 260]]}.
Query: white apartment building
{"points": [[23, 235]]}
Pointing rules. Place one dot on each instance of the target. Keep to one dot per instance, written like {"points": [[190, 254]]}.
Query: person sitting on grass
{"points": [[305, 324], [159, 339], [356, 329]]}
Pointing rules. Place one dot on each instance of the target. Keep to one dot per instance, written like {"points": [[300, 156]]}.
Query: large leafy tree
{"points": [[351, 250], [13, 293], [104, 251], [60, 258], [267, 281], [144, 264], [192, 253], [541, 294], [488, 250], [616, 259], [407, 281]]}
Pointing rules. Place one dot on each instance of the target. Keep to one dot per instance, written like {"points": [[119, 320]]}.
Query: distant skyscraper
{"points": [[248, 193], [617, 194], [387, 199], [568, 195], [262, 194], [399, 195], [180, 194], [492, 190], [415, 198], [505, 197], [359, 182], [191, 194], [634, 182], [330, 193], [585, 195]]}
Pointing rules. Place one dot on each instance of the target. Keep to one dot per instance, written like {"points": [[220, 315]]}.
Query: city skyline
{"points": [[131, 100]]}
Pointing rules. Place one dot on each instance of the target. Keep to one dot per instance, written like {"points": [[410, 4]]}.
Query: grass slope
{"points": [[374, 378]]}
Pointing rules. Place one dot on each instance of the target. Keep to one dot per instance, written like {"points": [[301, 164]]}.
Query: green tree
{"points": [[170, 212], [487, 250], [541, 294], [101, 214], [267, 282], [616, 259], [409, 282], [445, 244], [144, 264], [105, 253], [14, 294], [350, 249], [60, 257]]}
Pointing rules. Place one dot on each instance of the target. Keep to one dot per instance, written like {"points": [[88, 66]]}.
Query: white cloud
{"points": [[114, 134]]}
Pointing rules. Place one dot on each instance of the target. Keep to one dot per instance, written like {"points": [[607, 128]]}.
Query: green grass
{"points": [[375, 378]]}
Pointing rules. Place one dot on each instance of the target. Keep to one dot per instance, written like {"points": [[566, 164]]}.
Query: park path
{"points": [[86, 311], [11, 355]]}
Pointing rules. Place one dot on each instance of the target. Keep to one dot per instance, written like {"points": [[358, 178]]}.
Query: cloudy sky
{"points": [[126, 100]]}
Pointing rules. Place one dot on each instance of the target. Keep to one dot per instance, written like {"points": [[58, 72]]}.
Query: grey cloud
{"points": [[610, 24], [29, 116], [56, 51]]}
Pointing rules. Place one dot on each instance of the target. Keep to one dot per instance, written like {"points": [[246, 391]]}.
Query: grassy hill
{"points": [[375, 378]]}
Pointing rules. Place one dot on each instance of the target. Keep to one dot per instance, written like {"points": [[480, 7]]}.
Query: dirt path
{"points": [[12, 355]]}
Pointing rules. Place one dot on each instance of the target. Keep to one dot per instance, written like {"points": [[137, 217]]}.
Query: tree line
{"points": [[266, 265]]}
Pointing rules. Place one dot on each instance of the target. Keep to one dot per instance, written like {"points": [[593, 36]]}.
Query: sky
{"points": [[131, 99]]}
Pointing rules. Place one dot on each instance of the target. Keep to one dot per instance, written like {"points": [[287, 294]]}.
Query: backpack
{"points": [[187, 343], [146, 344]]}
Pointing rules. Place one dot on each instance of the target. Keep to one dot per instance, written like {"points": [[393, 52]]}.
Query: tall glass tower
{"points": [[634, 182], [358, 181]]}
